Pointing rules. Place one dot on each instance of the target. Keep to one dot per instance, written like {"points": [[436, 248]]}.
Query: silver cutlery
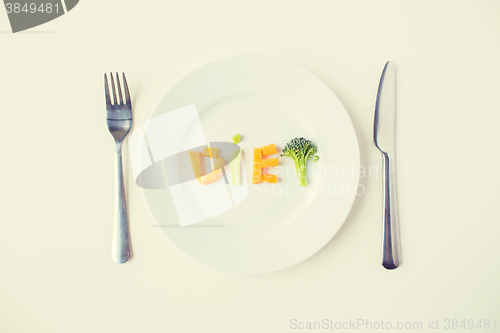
{"points": [[119, 120], [384, 138]]}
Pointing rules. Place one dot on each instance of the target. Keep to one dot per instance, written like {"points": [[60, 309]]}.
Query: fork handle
{"points": [[120, 251], [391, 248]]}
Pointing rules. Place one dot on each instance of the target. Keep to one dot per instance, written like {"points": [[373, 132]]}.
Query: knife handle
{"points": [[391, 248]]}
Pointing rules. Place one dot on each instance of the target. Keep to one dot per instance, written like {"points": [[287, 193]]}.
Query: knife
{"points": [[384, 138]]}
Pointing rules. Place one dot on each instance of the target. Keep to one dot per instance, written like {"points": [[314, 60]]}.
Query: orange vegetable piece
{"points": [[269, 162], [257, 166], [194, 157], [257, 173], [269, 179], [210, 152], [257, 155], [218, 164], [209, 179], [269, 149]]}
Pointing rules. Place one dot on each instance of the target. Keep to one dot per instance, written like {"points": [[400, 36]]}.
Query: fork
{"points": [[119, 120]]}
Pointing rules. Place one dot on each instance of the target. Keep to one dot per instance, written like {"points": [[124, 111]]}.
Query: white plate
{"points": [[267, 100]]}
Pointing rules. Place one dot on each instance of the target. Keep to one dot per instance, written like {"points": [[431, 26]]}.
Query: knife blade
{"points": [[384, 130], [385, 110]]}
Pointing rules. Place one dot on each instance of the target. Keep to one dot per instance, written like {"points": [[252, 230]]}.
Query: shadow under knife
{"points": [[27, 32], [186, 227]]}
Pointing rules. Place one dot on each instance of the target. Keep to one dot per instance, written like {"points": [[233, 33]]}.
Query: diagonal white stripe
{"points": [[64, 6]]}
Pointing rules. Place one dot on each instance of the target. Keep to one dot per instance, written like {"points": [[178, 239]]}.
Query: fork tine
{"points": [[106, 90], [114, 89], [125, 88], [119, 88]]}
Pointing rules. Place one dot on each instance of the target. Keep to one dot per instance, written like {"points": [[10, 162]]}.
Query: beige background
{"points": [[56, 193]]}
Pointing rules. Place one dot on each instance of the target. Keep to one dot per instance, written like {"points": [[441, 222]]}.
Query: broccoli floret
{"points": [[300, 150]]}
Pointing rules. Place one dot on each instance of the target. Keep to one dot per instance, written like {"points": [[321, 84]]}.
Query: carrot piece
{"points": [[269, 162], [218, 164], [257, 154], [257, 166], [269, 149], [257, 173], [210, 152], [269, 178], [194, 157], [209, 178]]}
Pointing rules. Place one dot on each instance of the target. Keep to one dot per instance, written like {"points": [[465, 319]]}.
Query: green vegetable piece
{"points": [[300, 150], [235, 166], [236, 138]]}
